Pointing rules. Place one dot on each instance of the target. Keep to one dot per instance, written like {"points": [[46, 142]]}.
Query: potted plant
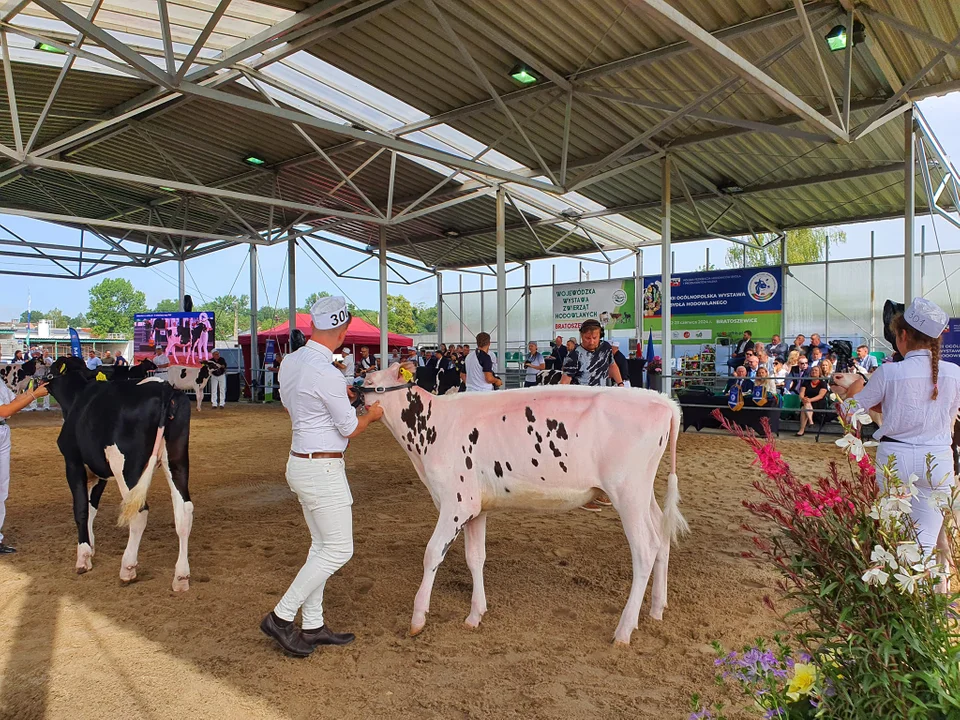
{"points": [[654, 374]]}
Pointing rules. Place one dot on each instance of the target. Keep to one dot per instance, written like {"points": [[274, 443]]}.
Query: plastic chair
{"points": [[879, 356], [790, 404]]}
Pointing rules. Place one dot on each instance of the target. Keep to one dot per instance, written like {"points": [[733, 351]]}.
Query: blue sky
{"points": [[216, 274]]}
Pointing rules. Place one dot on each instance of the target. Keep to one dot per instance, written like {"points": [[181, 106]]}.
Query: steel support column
{"points": [[784, 269], [873, 293], [665, 263], [460, 297], [254, 354], [527, 331], [291, 288], [638, 301], [501, 280], [181, 282], [909, 194], [384, 310], [439, 308]]}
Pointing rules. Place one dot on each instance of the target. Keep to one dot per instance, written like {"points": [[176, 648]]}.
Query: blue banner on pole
{"points": [[270, 354], [75, 349], [950, 350]]}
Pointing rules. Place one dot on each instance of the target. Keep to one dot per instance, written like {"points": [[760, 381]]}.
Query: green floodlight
{"points": [[46, 47], [167, 189], [523, 75], [838, 39], [254, 160]]}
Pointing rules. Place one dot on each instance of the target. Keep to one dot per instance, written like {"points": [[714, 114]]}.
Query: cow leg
{"points": [[183, 517], [644, 539], [444, 535], [96, 492], [658, 599], [120, 468], [77, 480], [475, 545]]}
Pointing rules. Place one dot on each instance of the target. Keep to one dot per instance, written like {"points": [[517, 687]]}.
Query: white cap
{"points": [[927, 317], [328, 313], [345, 351], [615, 343]]}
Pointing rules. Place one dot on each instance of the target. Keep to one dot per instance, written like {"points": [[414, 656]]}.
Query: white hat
{"points": [[615, 343], [345, 351], [328, 313], [927, 317]]}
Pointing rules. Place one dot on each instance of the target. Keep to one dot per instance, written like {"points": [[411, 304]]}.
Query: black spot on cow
{"points": [[562, 432], [463, 449], [470, 449], [474, 436], [539, 437], [461, 478], [497, 470], [410, 437], [504, 418], [543, 479], [555, 449], [660, 441], [469, 462], [456, 518], [509, 469], [431, 435], [507, 489], [530, 415], [420, 438], [563, 467], [409, 449], [183, 374], [552, 424], [535, 462], [529, 429], [537, 447], [459, 499], [413, 411]]}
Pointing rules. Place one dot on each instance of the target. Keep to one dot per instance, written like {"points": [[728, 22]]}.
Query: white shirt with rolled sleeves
{"points": [[903, 389], [316, 397]]}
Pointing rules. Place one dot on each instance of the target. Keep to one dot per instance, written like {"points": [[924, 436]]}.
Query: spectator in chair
{"points": [[798, 345], [865, 362], [813, 396], [739, 355], [776, 348], [797, 375], [752, 365], [740, 378], [816, 342]]}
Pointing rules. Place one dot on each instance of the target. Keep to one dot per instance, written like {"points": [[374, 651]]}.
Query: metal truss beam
{"points": [[685, 27]]}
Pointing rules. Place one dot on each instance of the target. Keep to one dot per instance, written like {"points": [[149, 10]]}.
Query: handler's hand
{"points": [[375, 411], [351, 393], [41, 390]]}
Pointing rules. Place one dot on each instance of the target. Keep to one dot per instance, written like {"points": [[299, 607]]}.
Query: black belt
{"points": [[892, 440]]}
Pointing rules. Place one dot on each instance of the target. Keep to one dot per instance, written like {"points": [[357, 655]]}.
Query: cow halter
{"points": [[379, 390]]}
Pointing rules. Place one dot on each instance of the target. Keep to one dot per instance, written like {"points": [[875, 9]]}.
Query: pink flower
{"points": [[770, 461], [866, 463], [805, 508]]}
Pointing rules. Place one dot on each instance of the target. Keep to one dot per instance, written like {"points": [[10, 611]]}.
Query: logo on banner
{"points": [[619, 297], [762, 287]]}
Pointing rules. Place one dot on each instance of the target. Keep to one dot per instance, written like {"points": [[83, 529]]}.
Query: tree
{"points": [[230, 311], [167, 305], [400, 316], [425, 318], [311, 299], [77, 321], [35, 315], [803, 246], [56, 317], [707, 267], [113, 303]]}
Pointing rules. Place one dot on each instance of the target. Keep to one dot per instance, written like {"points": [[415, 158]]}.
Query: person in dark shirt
{"points": [[590, 361], [621, 361], [740, 351], [798, 345], [740, 378], [559, 353], [218, 379], [813, 396]]}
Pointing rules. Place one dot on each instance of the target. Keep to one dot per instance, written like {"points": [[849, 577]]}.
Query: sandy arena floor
{"points": [[78, 647]]}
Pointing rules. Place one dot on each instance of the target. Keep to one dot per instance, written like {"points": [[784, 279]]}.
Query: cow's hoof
{"points": [[656, 613], [128, 574], [181, 584], [621, 643], [472, 621], [416, 629], [622, 637], [84, 563], [81, 570]]}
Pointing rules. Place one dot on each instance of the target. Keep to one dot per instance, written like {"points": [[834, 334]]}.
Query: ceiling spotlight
{"points": [[837, 39], [47, 47], [522, 75], [254, 161], [572, 213], [450, 233], [730, 189]]}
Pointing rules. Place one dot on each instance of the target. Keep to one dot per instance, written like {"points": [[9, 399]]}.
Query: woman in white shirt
{"points": [[10, 404], [920, 397]]}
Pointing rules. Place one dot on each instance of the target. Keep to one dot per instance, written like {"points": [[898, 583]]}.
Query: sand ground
{"points": [[83, 647]]}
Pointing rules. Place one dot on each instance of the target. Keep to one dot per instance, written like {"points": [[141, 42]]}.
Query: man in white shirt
{"points": [[162, 362], [349, 366], [865, 362], [479, 369], [323, 421], [534, 363]]}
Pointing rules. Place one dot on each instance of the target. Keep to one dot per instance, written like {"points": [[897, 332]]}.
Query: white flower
{"points": [[907, 583], [910, 485], [876, 576], [883, 556], [908, 553], [940, 499], [897, 505]]}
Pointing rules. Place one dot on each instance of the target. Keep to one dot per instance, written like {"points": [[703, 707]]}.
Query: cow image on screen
{"points": [[537, 449]]}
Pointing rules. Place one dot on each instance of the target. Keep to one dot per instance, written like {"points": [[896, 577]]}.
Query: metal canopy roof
{"points": [[400, 114]]}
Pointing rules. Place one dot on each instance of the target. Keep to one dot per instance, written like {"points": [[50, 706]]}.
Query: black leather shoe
{"points": [[6, 549], [289, 637], [325, 636]]}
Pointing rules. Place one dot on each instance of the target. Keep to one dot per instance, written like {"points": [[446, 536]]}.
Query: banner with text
{"points": [[950, 350], [723, 303], [609, 301]]}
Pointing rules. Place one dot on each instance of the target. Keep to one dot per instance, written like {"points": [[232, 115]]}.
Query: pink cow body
{"points": [[539, 449]]}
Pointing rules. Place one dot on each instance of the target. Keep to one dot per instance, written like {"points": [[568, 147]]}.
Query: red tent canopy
{"points": [[359, 333]]}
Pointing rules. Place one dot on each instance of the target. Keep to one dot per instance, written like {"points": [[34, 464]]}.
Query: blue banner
{"points": [[75, 349], [270, 355], [950, 350]]}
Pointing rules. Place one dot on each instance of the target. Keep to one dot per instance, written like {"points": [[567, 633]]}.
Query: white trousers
{"points": [[4, 473], [218, 389], [912, 459], [324, 493]]}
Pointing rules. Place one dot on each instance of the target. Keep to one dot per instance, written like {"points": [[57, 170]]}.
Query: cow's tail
{"points": [[137, 497], [673, 524]]}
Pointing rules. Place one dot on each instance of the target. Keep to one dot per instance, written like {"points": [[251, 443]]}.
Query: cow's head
{"points": [[396, 375], [841, 383], [147, 365], [65, 378], [891, 309], [203, 374]]}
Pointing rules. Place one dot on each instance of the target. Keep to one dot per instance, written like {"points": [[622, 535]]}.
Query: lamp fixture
{"points": [[47, 47], [523, 75], [450, 233], [838, 39], [730, 188], [167, 189], [254, 161], [571, 213]]}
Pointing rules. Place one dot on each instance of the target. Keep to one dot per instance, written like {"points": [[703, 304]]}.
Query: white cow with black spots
{"points": [[542, 448], [190, 379]]}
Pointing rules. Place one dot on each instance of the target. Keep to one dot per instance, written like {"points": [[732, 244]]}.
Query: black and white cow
{"points": [[549, 377], [18, 377], [123, 430], [138, 372], [190, 379]]}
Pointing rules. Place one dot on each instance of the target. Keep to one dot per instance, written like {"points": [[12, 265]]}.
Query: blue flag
{"points": [[75, 343], [270, 354], [650, 354]]}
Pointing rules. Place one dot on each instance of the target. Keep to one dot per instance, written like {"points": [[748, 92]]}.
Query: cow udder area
{"points": [[82, 647]]}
